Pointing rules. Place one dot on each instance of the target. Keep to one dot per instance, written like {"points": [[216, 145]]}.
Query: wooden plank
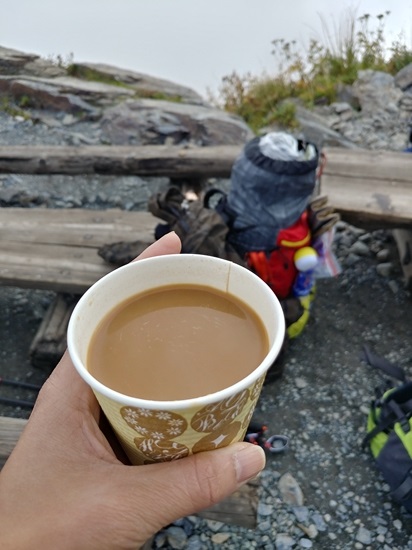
{"points": [[385, 166], [50, 267], [159, 160], [50, 340], [238, 509], [403, 238], [77, 227], [369, 188], [366, 203]]}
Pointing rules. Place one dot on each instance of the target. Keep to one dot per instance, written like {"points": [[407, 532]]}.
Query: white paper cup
{"points": [[153, 431]]}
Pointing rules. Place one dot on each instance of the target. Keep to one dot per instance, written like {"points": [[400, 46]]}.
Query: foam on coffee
{"points": [[177, 342]]}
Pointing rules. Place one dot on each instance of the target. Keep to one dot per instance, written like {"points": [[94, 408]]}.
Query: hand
{"points": [[64, 486]]}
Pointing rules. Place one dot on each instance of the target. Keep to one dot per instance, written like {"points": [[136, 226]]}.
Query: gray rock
{"points": [[364, 536], [290, 490], [403, 79], [375, 90], [384, 269], [317, 131], [44, 94], [176, 537], [12, 61], [143, 83], [284, 542], [265, 509], [301, 513], [147, 121], [359, 248], [319, 521]]}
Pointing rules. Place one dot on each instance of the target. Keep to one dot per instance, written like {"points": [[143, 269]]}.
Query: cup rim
{"points": [[180, 404]]}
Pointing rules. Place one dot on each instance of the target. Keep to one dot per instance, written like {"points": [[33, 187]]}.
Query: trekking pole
{"points": [[18, 384], [16, 402]]}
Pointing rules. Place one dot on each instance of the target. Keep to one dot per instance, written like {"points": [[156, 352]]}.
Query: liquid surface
{"points": [[177, 342]]}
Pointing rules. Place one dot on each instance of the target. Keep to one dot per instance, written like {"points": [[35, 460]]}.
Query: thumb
{"points": [[186, 486]]}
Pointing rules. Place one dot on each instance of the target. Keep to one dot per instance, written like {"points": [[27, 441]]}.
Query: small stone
{"points": [[220, 538], [177, 538], [301, 513], [397, 524], [312, 531], [214, 526], [305, 543], [351, 259], [359, 248], [301, 383], [265, 509], [384, 269], [284, 542], [383, 255], [393, 285], [290, 490], [195, 543], [68, 119], [364, 536], [319, 521]]}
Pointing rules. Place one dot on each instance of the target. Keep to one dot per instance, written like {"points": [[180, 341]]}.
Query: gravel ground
{"points": [[320, 402]]}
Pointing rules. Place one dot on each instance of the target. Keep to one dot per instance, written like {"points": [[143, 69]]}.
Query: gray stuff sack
{"points": [[270, 188]]}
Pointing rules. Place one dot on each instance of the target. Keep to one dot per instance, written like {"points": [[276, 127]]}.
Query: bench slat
{"points": [[74, 227], [50, 267], [366, 204], [57, 249]]}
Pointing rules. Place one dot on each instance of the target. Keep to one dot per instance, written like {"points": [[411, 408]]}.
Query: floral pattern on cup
{"points": [[214, 440], [154, 424], [217, 424], [160, 450], [217, 416]]}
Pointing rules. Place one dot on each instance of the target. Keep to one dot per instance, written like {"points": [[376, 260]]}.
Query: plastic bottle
{"points": [[305, 260]]}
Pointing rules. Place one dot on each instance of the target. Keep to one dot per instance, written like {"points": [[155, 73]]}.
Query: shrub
{"points": [[313, 76]]}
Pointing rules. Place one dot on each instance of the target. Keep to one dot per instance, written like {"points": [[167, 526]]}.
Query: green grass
{"points": [[313, 76]]}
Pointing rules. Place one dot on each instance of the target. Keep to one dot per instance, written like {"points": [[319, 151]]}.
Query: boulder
{"points": [[403, 79], [12, 61], [376, 91], [143, 84], [156, 122]]}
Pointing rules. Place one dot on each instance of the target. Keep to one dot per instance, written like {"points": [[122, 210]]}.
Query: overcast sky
{"points": [[192, 42]]}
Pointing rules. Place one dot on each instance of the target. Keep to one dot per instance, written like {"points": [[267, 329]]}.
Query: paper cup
{"points": [[154, 431]]}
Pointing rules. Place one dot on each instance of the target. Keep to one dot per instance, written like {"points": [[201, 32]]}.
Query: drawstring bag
{"points": [[389, 429]]}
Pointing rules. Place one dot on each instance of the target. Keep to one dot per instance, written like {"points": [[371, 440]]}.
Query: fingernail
{"points": [[249, 462]]}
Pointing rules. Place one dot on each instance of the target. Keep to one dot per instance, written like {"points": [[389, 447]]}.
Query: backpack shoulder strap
{"points": [[383, 365]]}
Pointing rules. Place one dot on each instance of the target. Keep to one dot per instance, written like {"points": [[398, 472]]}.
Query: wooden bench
{"points": [[57, 249]]}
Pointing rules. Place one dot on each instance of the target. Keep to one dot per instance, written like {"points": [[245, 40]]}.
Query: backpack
{"points": [[389, 429], [265, 218], [266, 194]]}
